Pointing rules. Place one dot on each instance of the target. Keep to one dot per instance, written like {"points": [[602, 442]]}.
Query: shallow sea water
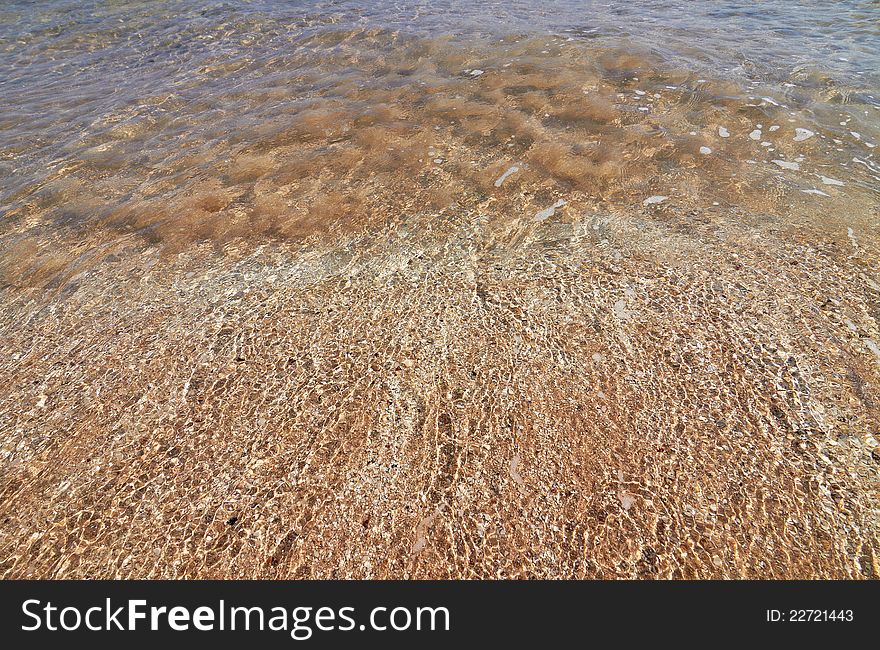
{"points": [[446, 289], [127, 119]]}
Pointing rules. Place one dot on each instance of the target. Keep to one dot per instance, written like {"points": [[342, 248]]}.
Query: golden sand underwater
{"points": [[411, 309]]}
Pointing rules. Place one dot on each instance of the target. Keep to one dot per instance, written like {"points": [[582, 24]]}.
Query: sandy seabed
{"points": [[525, 312]]}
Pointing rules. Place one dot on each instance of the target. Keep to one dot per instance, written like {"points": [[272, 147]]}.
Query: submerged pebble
{"points": [[787, 165], [657, 198], [546, 213], [802, 134], [852, 237], [621, 312], [513, 169]]}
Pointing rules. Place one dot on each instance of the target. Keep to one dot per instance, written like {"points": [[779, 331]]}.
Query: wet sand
{"points": [[541, 309]]}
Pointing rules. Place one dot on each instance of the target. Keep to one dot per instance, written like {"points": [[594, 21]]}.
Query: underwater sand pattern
{"points": [[407, 308]]}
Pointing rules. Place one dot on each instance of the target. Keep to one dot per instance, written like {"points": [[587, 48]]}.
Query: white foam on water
{"points": [[705, 151], [830, 181], [657, 198], [867, 164], [723, 132], [755, 135], [775, 127], [814, 191]]}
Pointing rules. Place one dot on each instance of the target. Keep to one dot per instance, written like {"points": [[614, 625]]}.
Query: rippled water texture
{"points": [[522, 289]]}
